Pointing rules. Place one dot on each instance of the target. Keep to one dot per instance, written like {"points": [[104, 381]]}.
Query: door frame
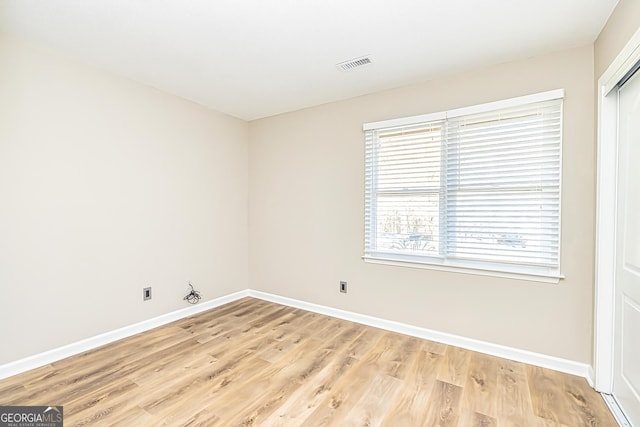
{"points": [[606, 211]]}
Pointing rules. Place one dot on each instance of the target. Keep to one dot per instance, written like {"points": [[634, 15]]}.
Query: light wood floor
{"points": [[255, 363]]}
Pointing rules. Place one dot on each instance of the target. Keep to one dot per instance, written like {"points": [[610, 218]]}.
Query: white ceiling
{"points": [[257, 58]]}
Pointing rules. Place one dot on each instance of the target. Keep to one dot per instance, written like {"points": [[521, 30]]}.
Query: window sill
{"points": [[532, 277]]}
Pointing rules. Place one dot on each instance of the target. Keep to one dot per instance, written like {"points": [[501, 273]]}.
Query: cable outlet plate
{"points": [[343, 287], [146, 293]]}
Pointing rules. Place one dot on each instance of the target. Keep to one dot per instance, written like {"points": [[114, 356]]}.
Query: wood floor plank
{"points": [[206, 379], [204, 418], [362, 345], [205, 396], [548, 398], [349, 388], [454, 366], [480, 390], [513, 402], [444, 406], [246, 389], [298, 407], [252, 362], [403, 351], [279, 387], [586, 405], [91, 377], [12, 394], [333, 410], [93, 407], [470, 418], [371, 408], [8, 393], [131, 416], [409, 406]]}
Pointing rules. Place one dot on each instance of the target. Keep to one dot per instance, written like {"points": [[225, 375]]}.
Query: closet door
{"points": [[626, 381]]}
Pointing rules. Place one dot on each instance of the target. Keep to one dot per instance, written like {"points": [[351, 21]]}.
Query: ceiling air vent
{"points": [[354, 63]]}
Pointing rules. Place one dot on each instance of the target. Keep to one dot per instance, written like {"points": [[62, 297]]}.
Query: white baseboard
{"points": [[537, 359], [591, 377], [557, 364], [41, 359]]}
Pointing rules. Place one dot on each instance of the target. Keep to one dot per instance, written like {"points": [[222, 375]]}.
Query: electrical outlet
{"points": [[343, 287], [146, 293]]}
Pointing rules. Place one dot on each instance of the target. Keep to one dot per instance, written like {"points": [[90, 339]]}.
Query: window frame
{"points": [[440, 261]]}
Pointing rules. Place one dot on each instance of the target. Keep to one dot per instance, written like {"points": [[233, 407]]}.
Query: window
{"points": [[475, 188]]}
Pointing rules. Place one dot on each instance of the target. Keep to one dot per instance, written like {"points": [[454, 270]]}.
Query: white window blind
{"points": [[475, 188]]}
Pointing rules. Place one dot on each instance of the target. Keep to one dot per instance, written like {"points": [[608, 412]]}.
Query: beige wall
{"points": [[306, 214], [107, 186], [622, 24]]}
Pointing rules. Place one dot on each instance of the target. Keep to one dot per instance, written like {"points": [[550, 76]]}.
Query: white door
{"points": [[626, 380]]}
